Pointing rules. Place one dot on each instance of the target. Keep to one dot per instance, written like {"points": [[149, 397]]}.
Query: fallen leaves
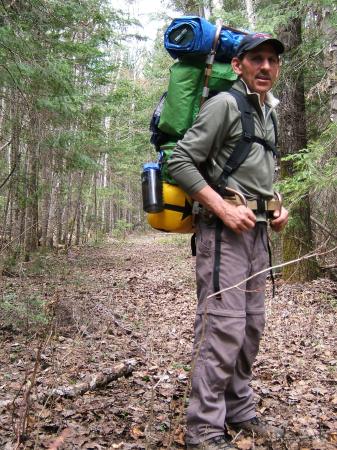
{"points": [[245, 444], [122, 302]]}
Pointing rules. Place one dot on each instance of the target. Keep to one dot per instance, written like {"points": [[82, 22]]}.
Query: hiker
{"points": [[231, 242]]}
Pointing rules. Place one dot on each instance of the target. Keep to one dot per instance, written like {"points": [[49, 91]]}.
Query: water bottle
{"points": [[152, 188]]}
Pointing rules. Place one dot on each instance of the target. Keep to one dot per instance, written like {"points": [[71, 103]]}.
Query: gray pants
{"points": [[226, 337]]}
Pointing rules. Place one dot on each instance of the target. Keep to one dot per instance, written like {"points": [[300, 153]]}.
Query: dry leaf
{"points": [[333, 437], [179, 437], [245, 444], [136, 432]]}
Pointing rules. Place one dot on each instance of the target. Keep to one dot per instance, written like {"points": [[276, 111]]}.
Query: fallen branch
{"points": [[293, 261], [123, 369]]}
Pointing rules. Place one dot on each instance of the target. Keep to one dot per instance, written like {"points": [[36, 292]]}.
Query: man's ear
{"points": [[236, 66]]}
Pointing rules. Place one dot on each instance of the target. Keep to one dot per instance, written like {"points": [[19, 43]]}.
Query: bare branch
{"points": [[8, 176], [302, 258], [5, 145], [326, 229]]}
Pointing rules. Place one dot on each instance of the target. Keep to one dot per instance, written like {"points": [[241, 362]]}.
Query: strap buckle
{"points": [[238, 194], [247, 136], [277, 199]]}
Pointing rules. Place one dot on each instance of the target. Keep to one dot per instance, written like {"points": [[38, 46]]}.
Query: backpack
{"points": [[191, 82]]}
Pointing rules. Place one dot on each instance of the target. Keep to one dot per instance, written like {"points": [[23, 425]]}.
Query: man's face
{"points": [[259, 68]]}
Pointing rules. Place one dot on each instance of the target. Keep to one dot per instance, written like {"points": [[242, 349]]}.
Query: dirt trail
{"points": [[134, 300]]}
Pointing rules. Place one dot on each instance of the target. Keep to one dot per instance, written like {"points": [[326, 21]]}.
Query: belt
{"points": [[256, 205], [259, 206]]}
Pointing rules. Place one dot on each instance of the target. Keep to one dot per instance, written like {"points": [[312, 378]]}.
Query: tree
{"points": [[297, 237], [56, 61]]}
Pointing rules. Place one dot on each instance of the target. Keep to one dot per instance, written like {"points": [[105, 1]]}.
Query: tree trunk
{"points": [[297, 237], [14, 230], [77, 209], [67, 212], [250, 13], [32, 212], [330, 61], [46, 203]]}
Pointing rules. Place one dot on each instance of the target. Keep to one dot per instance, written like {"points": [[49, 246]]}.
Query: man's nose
{"points": [[265, 64]]}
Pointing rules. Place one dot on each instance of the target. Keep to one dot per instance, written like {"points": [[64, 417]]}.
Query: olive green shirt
{"points": [[211, 140]]}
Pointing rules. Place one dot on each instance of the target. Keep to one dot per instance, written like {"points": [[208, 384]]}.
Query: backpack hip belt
{"points": [[258, 206]]}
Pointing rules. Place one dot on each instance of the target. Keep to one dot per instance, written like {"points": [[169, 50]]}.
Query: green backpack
{"points": [[184, 93]]}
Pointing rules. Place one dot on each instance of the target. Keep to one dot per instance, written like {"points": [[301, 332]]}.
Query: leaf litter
{"points": [[134, 300]]}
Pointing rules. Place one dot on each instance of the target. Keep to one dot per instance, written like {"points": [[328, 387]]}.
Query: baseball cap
{"points": [[252, 41]]}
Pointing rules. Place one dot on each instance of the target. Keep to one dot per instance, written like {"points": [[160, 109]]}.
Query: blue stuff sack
{"points": [[190, 37], [228, 43]]}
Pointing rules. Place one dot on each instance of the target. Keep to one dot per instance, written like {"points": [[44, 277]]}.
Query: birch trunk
{"points": [[251, 14]]}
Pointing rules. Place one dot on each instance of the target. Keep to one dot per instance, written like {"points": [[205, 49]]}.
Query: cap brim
{"points": [[275, 43]]}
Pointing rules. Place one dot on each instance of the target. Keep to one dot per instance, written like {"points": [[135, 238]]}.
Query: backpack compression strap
{"points": [[244, 145]]}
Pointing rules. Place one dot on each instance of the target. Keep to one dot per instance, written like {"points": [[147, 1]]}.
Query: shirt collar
{"points": [[271, 101]]}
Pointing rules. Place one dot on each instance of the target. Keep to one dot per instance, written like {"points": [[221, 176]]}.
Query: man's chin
{"points": [[263, 87]]}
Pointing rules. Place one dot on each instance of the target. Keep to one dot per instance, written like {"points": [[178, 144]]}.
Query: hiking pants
{"points": [[228, 329]]}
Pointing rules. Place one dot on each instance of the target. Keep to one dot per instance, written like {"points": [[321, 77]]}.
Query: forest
{"points": [[96, 308]]}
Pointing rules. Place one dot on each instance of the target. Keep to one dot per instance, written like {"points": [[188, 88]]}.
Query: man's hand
{"points": [[238, 218], [280, 221]]}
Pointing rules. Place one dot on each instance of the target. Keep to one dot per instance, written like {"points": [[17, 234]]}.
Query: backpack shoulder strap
{"points": [[274, 120], [244, 144]]}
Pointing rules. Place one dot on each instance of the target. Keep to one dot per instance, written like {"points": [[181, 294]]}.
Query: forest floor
{"points": [[68, 320]]}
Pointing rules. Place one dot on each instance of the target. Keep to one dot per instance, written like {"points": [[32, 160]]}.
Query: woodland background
{"points": [[96, 312], [78, 87]]}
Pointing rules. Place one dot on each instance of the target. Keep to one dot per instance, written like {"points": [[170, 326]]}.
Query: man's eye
{"points": [[257, 60]]}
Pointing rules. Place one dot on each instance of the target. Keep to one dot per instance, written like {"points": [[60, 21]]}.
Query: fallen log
{"points": [[97, 381]]}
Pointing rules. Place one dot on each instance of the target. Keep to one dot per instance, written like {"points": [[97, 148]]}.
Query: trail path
{"points": [[134, 301]]}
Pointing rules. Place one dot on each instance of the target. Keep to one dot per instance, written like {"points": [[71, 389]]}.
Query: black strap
{"points": [[244, 145], [271, 265], [273, 118], [193, 245], [267, 145], [217, 256]]}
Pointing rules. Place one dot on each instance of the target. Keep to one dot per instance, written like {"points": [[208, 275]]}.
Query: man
{"points": [[231, 242]]}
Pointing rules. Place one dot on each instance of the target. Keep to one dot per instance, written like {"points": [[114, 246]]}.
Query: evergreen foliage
{"points": [[72, 115], [76, 99]]}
